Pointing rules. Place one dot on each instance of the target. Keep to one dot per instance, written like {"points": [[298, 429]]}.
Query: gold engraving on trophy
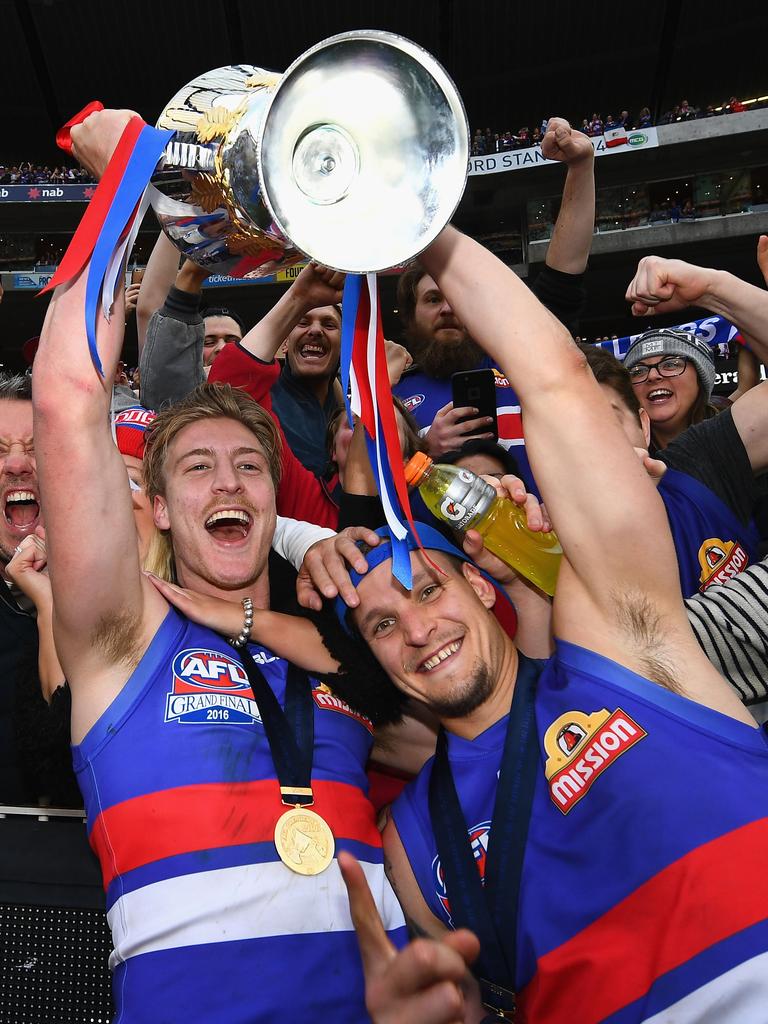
{"points": [[263, 79], [243, 244], [215, 123], [304, 841], [207, 193]]}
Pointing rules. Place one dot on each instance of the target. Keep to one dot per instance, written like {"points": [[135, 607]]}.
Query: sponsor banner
{"points": [[46, 193], [27, 280], [225, 281], [715, 330], [289, 274], [604, 145]]}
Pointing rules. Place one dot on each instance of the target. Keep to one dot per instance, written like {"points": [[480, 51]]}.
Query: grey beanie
{"points": [[667, 342]]}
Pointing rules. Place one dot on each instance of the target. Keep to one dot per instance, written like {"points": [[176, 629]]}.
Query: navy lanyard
{"points": [[491, 910], [290, 733]]}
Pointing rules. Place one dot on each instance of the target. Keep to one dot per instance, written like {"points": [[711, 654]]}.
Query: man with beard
{"points": [[307, 318], [441, 345], [599, 819]]}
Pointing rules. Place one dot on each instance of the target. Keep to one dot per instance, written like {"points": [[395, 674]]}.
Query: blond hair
{"points": [[206, 402]]}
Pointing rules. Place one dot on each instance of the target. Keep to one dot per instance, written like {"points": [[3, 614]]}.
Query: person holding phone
{"points": [[442, 347]]}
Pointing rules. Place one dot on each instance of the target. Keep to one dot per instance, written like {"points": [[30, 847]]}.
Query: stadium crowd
{"points": [[485, 141], [27, 173], [200, 597]]}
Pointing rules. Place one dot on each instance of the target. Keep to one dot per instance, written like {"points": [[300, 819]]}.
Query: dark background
{"points": [[514, 62]]}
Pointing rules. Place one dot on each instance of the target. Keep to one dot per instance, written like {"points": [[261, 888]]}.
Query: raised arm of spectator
{"points": [[104, 613], [172, 360], [571, 241], [666, 286], [315, 286], [160, 274], [598, 495], [661, 285]]}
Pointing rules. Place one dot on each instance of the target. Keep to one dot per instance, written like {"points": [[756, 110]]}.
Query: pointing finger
{"points": [[376, 951]]}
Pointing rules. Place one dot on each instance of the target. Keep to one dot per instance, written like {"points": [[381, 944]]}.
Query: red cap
{"points": [[131, 427]]}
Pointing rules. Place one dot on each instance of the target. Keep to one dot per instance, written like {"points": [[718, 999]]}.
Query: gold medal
{"points": [[304, 841]]}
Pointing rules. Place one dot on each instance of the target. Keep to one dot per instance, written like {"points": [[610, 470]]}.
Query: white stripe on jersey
{"points": [[736, 997], [246, 902]]}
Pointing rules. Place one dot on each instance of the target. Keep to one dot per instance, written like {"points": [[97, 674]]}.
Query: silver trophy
{"points": [[356, 157]]}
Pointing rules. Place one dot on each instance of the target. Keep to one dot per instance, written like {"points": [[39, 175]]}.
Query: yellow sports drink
{"points": [[463, 499]]}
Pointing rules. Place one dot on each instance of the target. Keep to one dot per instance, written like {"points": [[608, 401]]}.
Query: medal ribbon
{"points": [[491, 909], [290, 733], [368, 395], [111, 221]]}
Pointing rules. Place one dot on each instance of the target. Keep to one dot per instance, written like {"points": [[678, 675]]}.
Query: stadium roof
{"points": [[514, 62]]}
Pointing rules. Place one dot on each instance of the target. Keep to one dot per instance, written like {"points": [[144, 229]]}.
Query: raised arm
{"points": [[172, 359], [662, 285], [618, 592], [315, 286], [158, 278], [102, 615], [571, 240], [666, 286]]}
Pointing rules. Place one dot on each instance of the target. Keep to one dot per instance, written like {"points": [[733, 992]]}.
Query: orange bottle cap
{"points": [[416, 468]]}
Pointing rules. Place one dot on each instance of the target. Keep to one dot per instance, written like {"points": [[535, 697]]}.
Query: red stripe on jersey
{"points": [[706, 896], [510, 425], [205, 817]]}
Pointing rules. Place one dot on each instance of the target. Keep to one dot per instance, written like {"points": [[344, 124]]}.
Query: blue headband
{"points": [[431, 539]]}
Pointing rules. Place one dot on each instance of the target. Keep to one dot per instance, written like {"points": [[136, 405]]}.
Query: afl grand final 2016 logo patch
{"points": [[209, 686]]}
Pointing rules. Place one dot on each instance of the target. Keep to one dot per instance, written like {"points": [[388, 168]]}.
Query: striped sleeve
{"points": [[731, 624]]}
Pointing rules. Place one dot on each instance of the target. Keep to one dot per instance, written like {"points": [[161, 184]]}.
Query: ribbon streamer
{"points": [[106, 234], [367, 394], [64, 134]]}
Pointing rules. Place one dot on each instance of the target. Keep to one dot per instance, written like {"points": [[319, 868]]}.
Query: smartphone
{"points": [[477, 388]]}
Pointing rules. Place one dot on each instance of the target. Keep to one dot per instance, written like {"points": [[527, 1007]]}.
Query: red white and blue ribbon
{"points": [[367, 393], [105, 235]]}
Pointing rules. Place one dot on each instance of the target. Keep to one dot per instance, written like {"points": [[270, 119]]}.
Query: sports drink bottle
{"points": [[463, 499]]}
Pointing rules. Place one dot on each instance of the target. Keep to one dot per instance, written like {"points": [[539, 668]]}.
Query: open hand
{"points": [[131, 298], [421, 984], [537, 520], [447, 434], [225, 617], [324, 569]]}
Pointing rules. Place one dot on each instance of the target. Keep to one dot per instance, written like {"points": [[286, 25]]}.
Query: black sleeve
{"points": [[360, 510], [563, 295], [713, 453]]}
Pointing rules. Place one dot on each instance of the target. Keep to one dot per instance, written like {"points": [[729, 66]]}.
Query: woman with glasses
{"points": [[673, 373]]}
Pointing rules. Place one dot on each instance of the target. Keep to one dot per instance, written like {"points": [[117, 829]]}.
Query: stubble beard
{"points": [[472, 695]]}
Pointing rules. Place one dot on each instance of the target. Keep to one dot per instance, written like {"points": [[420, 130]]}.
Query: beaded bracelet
{"points": [[245, 633]]}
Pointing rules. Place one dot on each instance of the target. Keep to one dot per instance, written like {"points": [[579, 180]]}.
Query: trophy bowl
{"points": [[356, 157]]}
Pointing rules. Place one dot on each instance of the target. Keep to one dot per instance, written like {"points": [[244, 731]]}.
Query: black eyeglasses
{"points": [[671, 366]]}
